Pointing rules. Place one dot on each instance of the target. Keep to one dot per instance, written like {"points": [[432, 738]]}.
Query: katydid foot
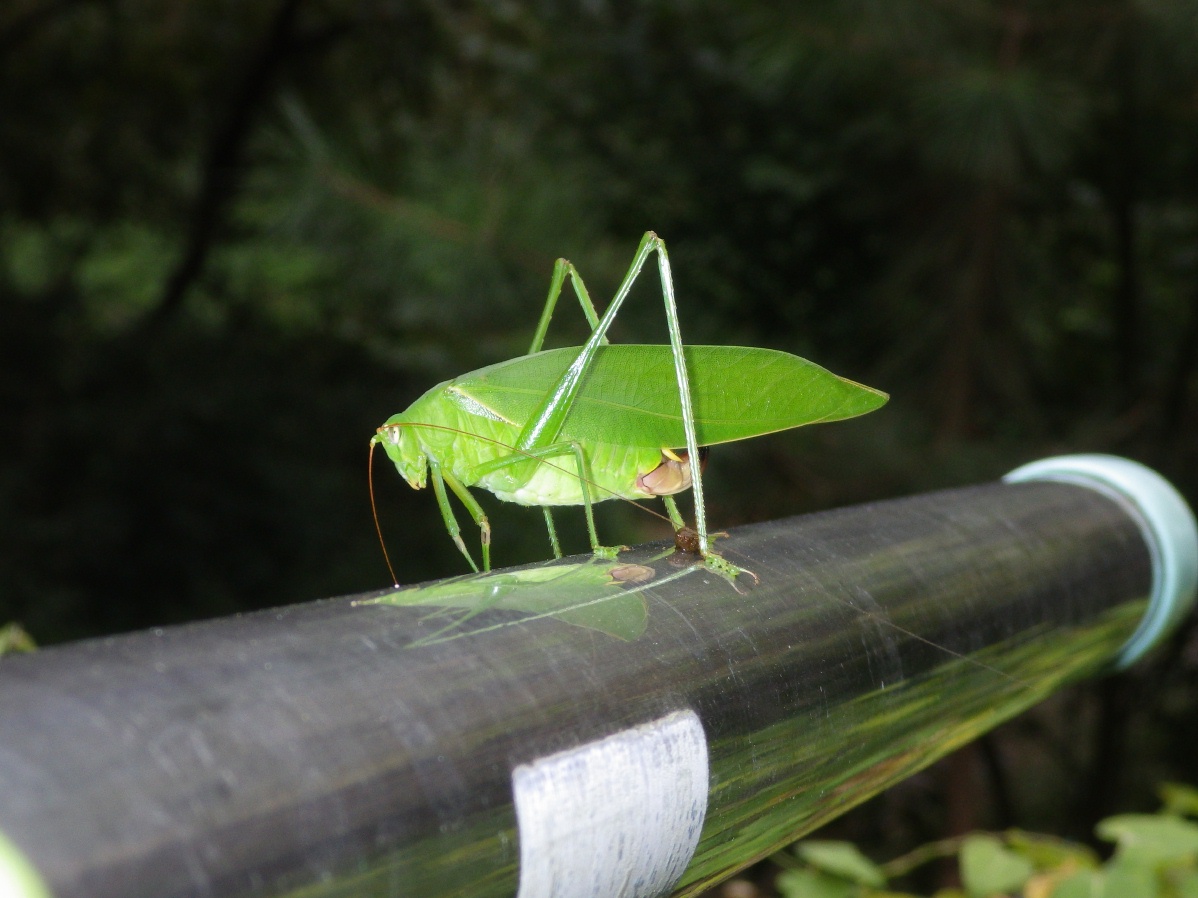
{"points": [[686, 540], [609, 553], [726, 569]]}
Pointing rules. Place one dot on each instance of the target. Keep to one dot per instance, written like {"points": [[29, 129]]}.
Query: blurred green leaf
{"points": [[1118, 881], [1083, 884], [815, 884], [1132, 879], [1150, 839], [14, 639], [843, 859], [1049, 852], [123, 273], [988, 867], [1183, 883], [1179, 799]]}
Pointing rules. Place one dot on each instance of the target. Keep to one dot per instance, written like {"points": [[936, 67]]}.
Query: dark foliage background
{"points": [[235, 237]]}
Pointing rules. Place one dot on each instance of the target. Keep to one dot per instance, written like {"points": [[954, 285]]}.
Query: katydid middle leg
{"points": [[672, 510], [585, 481], [553, 543], [562, 269]]}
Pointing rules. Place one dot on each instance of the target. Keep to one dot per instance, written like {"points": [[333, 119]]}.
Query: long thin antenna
{"points": [[374, 511]]}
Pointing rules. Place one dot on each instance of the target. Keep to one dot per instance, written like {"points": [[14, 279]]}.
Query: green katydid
{"points": [[578, 425]]}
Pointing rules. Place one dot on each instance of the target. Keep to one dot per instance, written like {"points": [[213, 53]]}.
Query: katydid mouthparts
{"points": [[582, 424]]}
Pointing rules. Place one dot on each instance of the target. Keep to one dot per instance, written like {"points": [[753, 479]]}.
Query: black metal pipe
{"points": [[581, 728]]}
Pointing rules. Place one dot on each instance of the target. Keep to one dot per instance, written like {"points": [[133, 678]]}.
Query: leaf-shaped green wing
{"points": [[630, 395]]}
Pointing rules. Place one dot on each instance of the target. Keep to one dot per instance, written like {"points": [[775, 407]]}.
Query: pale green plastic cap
{"points": [[1165, 520]]}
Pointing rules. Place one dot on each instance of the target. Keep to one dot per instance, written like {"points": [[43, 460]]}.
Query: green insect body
{"points": [[621, 414], [579, 425], [432, 428]]}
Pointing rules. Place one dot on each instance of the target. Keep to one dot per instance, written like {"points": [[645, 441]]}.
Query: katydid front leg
{"points": [[440, 477]]}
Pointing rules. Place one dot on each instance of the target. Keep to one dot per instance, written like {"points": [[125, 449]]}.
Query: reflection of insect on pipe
{"points": [[579, 425]]}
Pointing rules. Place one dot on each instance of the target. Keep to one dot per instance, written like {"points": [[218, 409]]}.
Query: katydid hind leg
{"points": [[684, 394], [686, 539], [712, 559], [545, 424], [672, 510]]}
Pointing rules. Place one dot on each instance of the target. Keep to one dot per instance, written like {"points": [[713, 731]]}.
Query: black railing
{"points": [[579, 728]]}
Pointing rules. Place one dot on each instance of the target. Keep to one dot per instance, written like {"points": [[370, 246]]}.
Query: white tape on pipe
{"points": [[615, 818]]}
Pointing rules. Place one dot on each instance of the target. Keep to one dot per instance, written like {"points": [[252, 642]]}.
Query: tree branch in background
{"points": [[222, 163]]}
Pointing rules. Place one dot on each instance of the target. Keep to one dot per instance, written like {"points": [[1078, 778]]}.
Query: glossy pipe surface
{"points": [[345, 748]]}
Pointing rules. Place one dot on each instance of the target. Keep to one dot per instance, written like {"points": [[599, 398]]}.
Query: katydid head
{"points": [[405, 451], [398, 440]]}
